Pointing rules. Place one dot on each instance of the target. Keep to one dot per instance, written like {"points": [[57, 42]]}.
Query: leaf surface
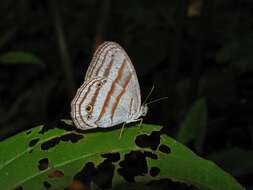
{"points": [[39, 157]]}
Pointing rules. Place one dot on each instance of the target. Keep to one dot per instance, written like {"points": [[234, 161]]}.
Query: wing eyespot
{"points": [[89, 108], [101, 83]]}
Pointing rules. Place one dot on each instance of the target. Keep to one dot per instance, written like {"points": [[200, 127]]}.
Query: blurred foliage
{"points": [[236, 160], [187, 49], [18, 57], [237, 54], [193, 127]]}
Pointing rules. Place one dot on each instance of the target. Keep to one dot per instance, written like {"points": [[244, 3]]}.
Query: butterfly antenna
{"points": [[157, 100], [150, 92]]}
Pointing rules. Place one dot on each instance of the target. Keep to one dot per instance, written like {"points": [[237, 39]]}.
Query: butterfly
{"points": [[110, 94]]}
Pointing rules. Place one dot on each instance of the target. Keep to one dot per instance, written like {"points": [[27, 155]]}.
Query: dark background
{"points": [[187, 49]]}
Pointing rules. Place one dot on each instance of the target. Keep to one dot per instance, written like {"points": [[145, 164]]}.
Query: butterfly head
{"points": [[86, 103]]}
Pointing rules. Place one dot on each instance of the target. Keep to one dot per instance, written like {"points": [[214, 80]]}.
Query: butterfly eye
{"points": [[89, 108]]}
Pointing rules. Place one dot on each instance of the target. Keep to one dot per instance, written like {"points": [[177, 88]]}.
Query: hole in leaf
{"points": [[48, 126], [86, 174], [19, 188], [104, 175], [77, 185], [149, 141], [56, 124], [71, 137], [43, 164], [50, 143], [46, 184], [33, 142], [134, 164], [55, 174], [154, 171], [28, 132], [101, 176], [112, 157], [164, 148]]}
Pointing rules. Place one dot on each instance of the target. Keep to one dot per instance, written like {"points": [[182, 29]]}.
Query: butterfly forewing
{"points": [[110, 60]]}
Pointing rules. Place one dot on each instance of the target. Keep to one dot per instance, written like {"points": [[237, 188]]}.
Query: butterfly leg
{"points": [[140, 120], [122, 129], [140, 124]]}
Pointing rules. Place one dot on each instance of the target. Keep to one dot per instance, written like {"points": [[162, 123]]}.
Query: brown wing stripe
{"points": [[93, 99], [101, 65], [97, 54], [107, 70], [120, 95], [106, 73], [92, 63], [119, 75]]}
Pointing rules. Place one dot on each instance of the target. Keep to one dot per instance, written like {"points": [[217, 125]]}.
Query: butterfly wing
{"points": [[111, 61], [95, 104], [84, 99], [118, 106], [111, 89]]}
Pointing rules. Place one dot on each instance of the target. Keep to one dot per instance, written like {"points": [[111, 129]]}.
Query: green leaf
{"points": [[235, 160], [16, 57], [185, 166], [194, 125], [20, 158]]}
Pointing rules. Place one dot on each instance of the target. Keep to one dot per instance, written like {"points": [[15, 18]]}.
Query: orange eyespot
{"points": [[89, 108]]}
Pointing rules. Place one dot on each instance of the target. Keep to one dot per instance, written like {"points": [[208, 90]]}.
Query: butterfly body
{"points": [[110, 94]]}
